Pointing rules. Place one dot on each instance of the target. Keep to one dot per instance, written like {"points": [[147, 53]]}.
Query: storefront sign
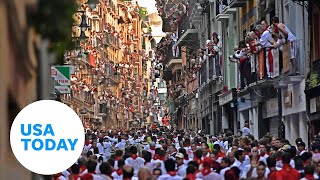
{"points": [[288, 99], [226, 97], [270, 108], [244, 105], [244, 102], [293, 99]]}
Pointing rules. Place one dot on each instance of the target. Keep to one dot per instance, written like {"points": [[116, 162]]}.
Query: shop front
{"points": [[294, 111], [270, 118], [228, 104], [244, 110], [313, 110]]}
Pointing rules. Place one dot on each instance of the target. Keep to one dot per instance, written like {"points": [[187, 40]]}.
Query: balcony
{"points": [[221, 13], [187, 33], [237, 3], [173, 58], [282, 73], [114, 42], [196, 12], [214, 67]]}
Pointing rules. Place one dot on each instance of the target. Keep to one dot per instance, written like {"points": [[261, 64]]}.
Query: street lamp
{"points": [[83, 25], [92, 4]]}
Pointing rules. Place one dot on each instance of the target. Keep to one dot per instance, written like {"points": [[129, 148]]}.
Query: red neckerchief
{"points": [[266, 28], [153, 148], [215, 165], [117, 158], [278, 159], [87, 142], [304, 164], [199, 161], [252, 45], [172, 173], [119, 171], [186, 158], [76, 176], [205, 171], [262, 154], [191, 176], [82, 168], [309, 176], [156, 156], [134, 156]]}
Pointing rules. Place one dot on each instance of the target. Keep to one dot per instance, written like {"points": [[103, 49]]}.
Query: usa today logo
{"points": [[47, 137]]}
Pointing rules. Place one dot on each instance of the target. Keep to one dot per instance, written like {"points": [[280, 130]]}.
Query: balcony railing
{"points": [[171, 55], [214, 66], [203, 73], [184, 25], [255, 67], [220, 6]]}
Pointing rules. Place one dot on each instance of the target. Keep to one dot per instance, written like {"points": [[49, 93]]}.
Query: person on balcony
{"points": [[175, 49], [288, 36], [266, 42], [241, 57], [251, 40]]}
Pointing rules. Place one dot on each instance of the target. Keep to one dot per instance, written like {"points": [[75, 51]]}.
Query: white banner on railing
{"points": [[276, 69], [253, 63]]}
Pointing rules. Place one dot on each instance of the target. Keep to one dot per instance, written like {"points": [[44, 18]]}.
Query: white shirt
{"points": [[302, 152], [265, 39], [100, 147], [157, 162], [246, 131], [239, 165], [210, 176], [182, 170], [116, 176], [169, 177], [136, 164], [254, 173]]}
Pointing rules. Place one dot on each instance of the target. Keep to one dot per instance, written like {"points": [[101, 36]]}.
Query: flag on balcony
{"points": [[92, 60]]}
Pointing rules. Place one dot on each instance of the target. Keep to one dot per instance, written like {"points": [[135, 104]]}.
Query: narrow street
{"points": [[169, 89]]}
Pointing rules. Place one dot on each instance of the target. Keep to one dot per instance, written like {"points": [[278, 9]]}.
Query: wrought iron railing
{"points": [[170, 52], [282, 65], [184, 25]]}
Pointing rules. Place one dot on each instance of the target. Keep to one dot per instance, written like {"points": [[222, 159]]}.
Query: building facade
{"points": [[276, 106], [110, 62]]}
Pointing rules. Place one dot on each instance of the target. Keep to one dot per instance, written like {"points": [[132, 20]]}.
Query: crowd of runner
{"points": [[161, 153]]}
